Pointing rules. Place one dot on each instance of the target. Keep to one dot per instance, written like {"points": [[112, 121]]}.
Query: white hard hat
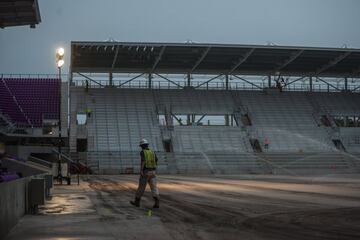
{"points": [[143, 142]]}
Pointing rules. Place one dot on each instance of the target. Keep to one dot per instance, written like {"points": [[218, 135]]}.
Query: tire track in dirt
{"points": [[216, 213]]}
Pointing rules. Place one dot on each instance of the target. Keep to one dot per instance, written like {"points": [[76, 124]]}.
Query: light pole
{"points": [[59, 62]]}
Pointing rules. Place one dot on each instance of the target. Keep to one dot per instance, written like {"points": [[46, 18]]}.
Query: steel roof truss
{"points": [[158, 59], [332, 63], [165, 78], [243, 79], [241, 60], [115, 57], [205, 53], [292, 58]]}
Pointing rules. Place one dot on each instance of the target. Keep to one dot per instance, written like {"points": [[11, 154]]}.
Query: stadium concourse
{"points": [[253, 142]]}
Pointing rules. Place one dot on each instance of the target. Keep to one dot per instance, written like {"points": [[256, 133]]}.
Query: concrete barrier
{"points": [[12, 204]]}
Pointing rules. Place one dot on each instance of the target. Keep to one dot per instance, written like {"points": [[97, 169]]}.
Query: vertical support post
{"points": [[311, 84], [269, 81], [149, 82], [227, 120], [110, 79], [68, 104], [346, 121], [346, 83], [226, 82], [190, 118], [59, 177], [71, 78]]}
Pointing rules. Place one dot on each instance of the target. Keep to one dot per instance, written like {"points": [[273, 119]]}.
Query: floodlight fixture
{"points": [[60, 63], [60, 52]]}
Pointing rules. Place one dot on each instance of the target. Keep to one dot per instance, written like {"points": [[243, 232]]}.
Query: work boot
{"points": [[156, 205], [136, 203]]}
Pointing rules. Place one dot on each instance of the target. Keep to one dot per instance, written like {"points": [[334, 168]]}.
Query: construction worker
{"points": [[88, 111], [147, 174]]}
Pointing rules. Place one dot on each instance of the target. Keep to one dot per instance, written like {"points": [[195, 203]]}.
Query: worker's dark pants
{"points": [[147, 177]]}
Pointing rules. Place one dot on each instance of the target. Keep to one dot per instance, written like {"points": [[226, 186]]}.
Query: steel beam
{"points": [[211, 79], [91, 80], [131, 79], [292, 58], [204, 72], [346, 83], [158, 59], [298, 79], [150, 81], [188, 79], [332, 63], [201, 118], [356, 89], [203, 56], [115, 57], [165, 78], [241, 60], [253, 84], [177, 119], [110, 78], [226, 82], [329, 84]]}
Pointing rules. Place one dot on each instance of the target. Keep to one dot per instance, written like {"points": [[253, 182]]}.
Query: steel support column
{"points": [[346, 83], [149, 80], [269, 81], [110, 79], [227, 88], [311, 84], [227, 82], [190, 118]]}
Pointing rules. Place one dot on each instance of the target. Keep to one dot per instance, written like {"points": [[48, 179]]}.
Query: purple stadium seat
{"points": [[35, 97]]}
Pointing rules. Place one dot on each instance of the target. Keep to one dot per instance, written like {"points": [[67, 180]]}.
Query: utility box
{"points": [[48, 184], [36, 194]]}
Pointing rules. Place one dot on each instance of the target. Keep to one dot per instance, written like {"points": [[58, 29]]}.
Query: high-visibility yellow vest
{"points": [[149, 158]]}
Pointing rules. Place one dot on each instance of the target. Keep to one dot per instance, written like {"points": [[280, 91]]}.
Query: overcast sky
{"points": [[321, 23]]}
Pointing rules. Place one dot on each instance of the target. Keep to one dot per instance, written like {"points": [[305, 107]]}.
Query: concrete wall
{"points": [[12, 204]]}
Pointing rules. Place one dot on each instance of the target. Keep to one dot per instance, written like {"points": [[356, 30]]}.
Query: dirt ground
{"points": [[242, 207], [209, 207]]}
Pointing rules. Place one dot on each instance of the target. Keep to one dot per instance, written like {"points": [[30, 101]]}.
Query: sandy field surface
{"points": [[202, 207]]}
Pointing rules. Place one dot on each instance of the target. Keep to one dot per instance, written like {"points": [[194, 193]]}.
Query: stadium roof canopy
{"points": [[194, 58], [19, 12]]}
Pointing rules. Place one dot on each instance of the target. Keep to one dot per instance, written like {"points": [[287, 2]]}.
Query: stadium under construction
{"points": [[252, 141]]}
